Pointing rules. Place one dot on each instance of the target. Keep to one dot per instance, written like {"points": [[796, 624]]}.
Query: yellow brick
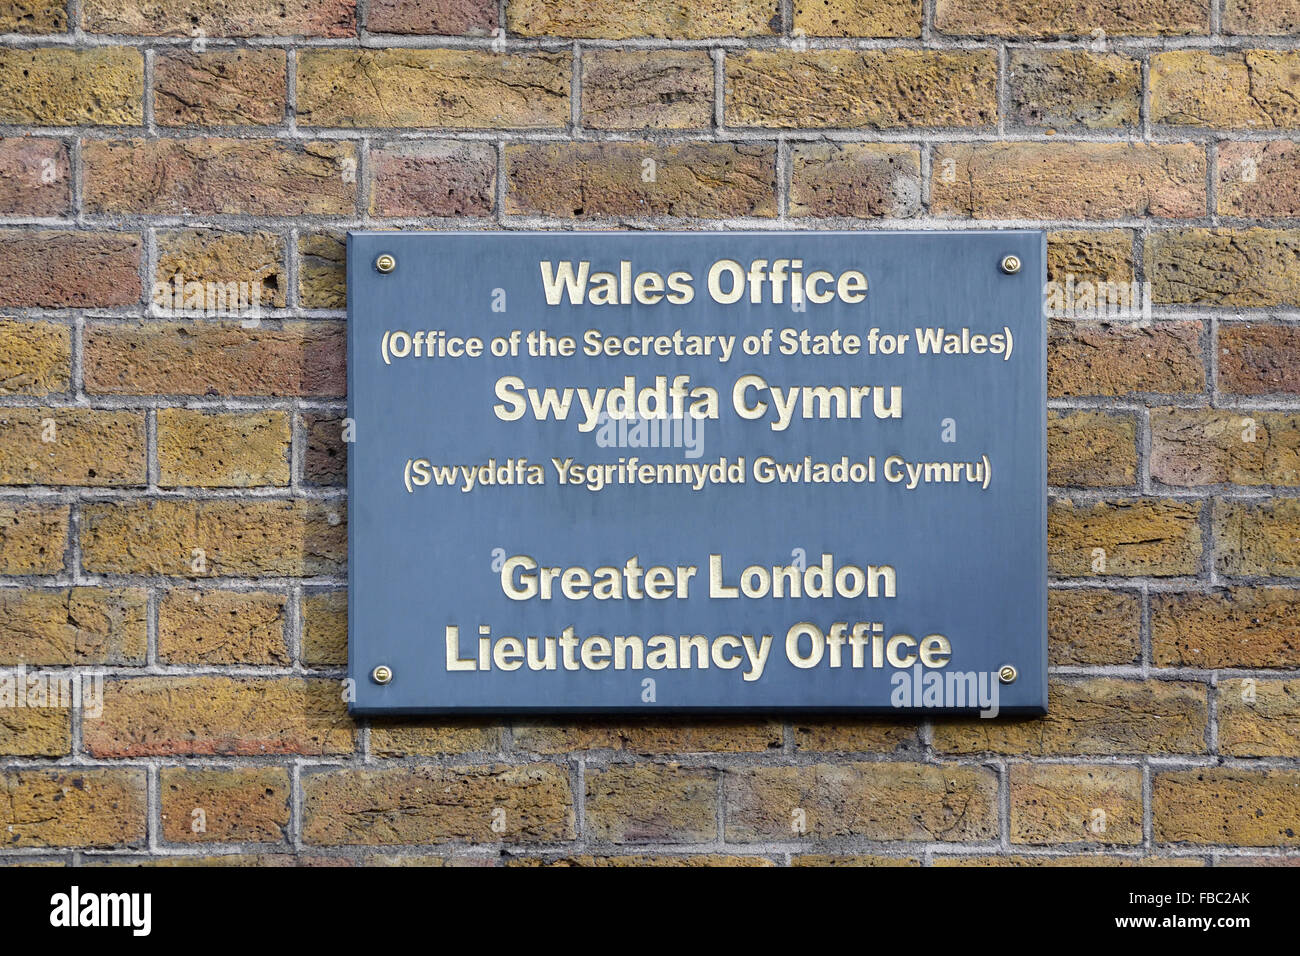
{"points": [[222, 627], [1128, 537], [83, 625], [1070, 180], [1259, 718], [461, 89], [35, 357], [325, 628], [199, 539], [877, 801], [680, 735], [222, 449], [33, 538], [240, 805], [149, 716], [71, 446], [861, 89], [652, 803], [59, 86], [1076, 804], [626, 19], [75, 807], [1221, 805], [1094, 716], [426, 804]]}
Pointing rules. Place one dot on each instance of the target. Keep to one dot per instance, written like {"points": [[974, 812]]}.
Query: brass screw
{"points": [[382, 674], [1011, 265], [1008, 674], [386, 263]]}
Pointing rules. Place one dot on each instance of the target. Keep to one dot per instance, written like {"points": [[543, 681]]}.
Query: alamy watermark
{"points": [[58, 690], [1100, 300]]}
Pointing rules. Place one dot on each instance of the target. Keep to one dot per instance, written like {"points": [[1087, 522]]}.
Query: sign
{"points": [[670, 472]]}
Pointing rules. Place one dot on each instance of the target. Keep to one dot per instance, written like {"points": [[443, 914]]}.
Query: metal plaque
{"points": [[672, 472]]}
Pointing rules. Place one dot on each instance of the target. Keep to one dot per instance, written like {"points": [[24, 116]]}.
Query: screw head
{"points": [[381, 674], [1008, 674], [386, 263], [1010, 265]]}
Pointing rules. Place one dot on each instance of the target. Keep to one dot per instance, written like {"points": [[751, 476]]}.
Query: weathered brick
{"points": [[1074, 89], [1055, 860], [1053, 18], [33, 538], [658, 860], [1257, 359], [433, 179], [34, 178], [425, 804], [269, 859], [652, 803], [863, 180], [60, 86], [581, 180], [647, 89], [1136, 537], [1089, 627], [32, 731], [222, 449], [219, 273], [325, 457], [684, 735], [322, 272], [1096, 256], [1070, 180], [1208, 446], [219, 87], [855, 735], [1259, 180], [1261, 17], [231, 18], [71, 446], [1076, 804], [437, 17], [222, 627], [1122, 359], [1251, 89], [1257, 537], [1259, 718], [1099, 715], [210, 358], [158, 716], [1220, 805], [81, 625], [1247, 267], [259, 177], [626, 19], [239, 805], [1233, 627], [75, 807], [861, 89], [426, 737], [453, 89], [325, 628], [1091, 449], [216, 538], [857, 18], [877, 801], [34, 16], [58, 268], [857, 859], [35, 357]]}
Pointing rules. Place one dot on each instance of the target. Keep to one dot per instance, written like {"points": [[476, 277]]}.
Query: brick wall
{"points": [[172, 501]]}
